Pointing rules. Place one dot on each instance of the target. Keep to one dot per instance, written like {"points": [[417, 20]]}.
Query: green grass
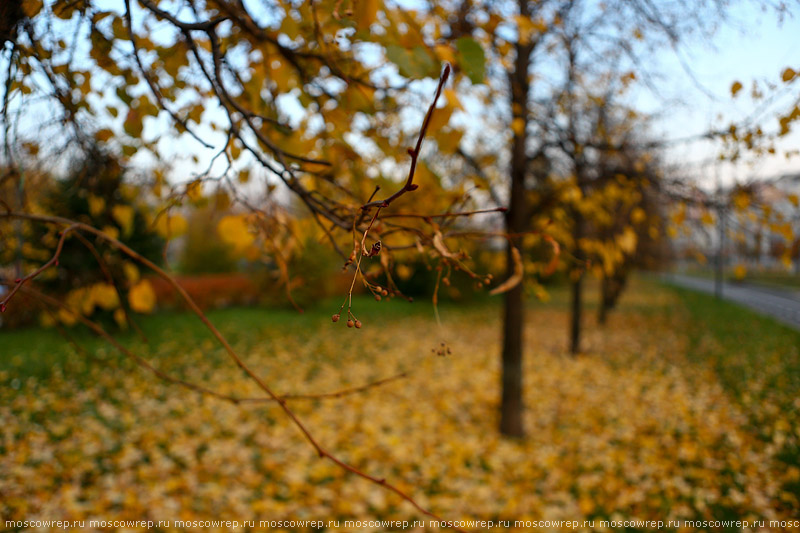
{"points": [[742, 345], [758, 360], [778, 280], [37, 352]]}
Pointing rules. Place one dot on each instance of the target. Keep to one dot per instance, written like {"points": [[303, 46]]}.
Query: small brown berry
{"points": [[378, 297], [336, 317], [384, 292], [358, 324], [350, 323]]}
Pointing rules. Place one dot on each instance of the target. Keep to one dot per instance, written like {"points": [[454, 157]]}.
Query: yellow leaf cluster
{"points": [[142, 297], [171, 226], [123, 216], [235, 230]]}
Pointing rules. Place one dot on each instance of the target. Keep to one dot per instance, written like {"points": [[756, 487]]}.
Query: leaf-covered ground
{"points": [[665, 417]]}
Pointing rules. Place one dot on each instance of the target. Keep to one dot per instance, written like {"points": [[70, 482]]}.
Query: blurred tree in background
{"points": [[204, 251], [97, 191]]}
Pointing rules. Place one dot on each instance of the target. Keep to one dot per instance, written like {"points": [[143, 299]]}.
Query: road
{"points": [[783, 305]]}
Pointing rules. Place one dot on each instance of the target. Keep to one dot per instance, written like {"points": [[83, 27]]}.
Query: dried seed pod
{"points": [[336, 317], [350, 323]]}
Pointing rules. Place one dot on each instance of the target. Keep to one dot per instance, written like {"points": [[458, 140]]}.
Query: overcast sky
{"points": [[754, 46]]}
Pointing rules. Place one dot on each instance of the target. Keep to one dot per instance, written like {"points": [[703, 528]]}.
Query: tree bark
{"points": [[512, 405]]}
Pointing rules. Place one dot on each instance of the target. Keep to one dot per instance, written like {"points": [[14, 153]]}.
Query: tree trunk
{"points": [[512, 405], [611, 288]]}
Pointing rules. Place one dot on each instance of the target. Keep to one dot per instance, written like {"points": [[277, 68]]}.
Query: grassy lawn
{"points": [[779, 280], [681, 408], [758, 361], [776, 280]]}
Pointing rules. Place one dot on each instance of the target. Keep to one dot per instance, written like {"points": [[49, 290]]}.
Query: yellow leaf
{"points": [[638, 215], [449, 140], [741, 200], [123, 215], [119, 318], [440, 118], [105, 295], [133, 123], [404, 272], [171, 226], [735, 88], [111, 231], [788, 75], [518, 125], [707, 219], [527, 27], [794, 200], [194, 190], [452, 99], [235, 231], [131, 272], [96, 205], [142, 298], [739, 271], [445, 53], [627, 240]]}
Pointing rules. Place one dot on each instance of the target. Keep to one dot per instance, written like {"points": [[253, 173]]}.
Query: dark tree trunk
{"points": [[611, 288], [512, 406]]}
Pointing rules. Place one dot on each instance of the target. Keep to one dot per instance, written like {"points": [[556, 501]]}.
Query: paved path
{"points": [[783, 305]]}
